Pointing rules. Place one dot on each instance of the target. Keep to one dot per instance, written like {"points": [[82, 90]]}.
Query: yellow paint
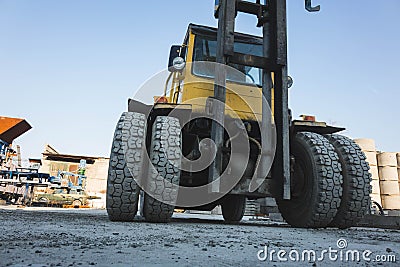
{"points": [[242, 99]]}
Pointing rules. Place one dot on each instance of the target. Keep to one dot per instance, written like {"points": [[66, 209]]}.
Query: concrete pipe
{"points": [[366, 145], [375, 187], [398, 160], [391, 202], [374, 172], [388, 173], [387, 159], [389, 188], [371, 158]]}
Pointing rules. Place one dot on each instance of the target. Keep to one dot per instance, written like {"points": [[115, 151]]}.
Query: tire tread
{"points": [[356, 200], [126, 160]]}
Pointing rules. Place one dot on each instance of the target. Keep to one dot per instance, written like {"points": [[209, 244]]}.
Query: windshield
{"points": [[206, 50]]}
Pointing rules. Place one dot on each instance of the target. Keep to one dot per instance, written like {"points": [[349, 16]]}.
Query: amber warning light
{"points": [[308, 118]]}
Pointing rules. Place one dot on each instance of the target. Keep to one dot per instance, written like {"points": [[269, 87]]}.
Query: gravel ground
{"points": [[54, 237]]}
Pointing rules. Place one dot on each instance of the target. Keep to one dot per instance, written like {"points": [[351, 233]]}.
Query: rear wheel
{"points": [[233, 207], [164, 170], [316, 183], [126, 162], [356, 201]]}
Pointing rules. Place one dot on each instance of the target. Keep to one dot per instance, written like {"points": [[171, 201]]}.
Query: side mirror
{"points": [[176, 60], [290, 82]]}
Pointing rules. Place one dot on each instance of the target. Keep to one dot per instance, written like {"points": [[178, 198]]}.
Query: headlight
{"points": [[178, 63]]}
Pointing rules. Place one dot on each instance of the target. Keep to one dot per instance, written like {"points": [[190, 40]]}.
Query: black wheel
{"points": [[126, 164], [356, 199], [77, 203], [164, 170], [316, 188], [233, 207]]}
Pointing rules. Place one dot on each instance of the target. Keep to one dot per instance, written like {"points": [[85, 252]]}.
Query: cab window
{"points": [[206, 50]]}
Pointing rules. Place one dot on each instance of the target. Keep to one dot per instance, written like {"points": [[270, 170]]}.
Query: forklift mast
{"points": [[271, 15]]}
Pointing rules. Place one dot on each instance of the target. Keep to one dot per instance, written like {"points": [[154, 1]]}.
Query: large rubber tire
{"points": [[126, 164], [233, 208], [356, 199], [164, 170], [316, 183]]}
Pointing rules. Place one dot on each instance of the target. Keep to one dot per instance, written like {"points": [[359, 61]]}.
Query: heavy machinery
{"points": [[66, 190], [27, 186], [16, 183], [225, 82], [10, 129]]}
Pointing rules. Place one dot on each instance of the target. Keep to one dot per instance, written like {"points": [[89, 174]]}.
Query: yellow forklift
{"points": [[228, 102]]}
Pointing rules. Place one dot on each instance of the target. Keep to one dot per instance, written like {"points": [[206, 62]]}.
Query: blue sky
{"points": [[68, 67]]}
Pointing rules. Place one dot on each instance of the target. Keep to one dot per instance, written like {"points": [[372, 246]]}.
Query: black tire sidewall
{"points": [[301, 150], [233, 208]]}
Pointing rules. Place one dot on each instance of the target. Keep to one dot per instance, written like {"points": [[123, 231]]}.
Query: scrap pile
{"points": [[27, 186]]}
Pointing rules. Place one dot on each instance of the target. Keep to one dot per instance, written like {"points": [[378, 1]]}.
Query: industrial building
{"points": [[96, 171]]}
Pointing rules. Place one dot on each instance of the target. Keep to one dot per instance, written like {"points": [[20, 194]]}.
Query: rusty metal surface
{"points": [[11, 128]]}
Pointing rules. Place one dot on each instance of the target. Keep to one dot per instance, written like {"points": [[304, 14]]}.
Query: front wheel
{"points": [[356, 200], [164, 170], [126, 164], [316, 187]]}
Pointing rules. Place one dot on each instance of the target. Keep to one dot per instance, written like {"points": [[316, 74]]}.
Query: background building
{"points": [[96, 171]]}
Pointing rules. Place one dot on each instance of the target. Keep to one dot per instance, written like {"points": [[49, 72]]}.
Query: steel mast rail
{"points": [[271, 16]]}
